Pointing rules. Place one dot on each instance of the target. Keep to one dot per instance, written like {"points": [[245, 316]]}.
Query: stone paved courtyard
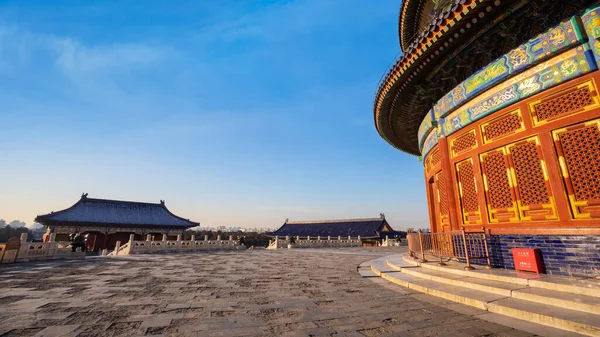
{"points": [[251, 293]]}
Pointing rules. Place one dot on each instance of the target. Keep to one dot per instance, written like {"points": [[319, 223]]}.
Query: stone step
{"points": [[397, 263], [561, 318], [490, 286], [586, 287], [366, 264], [380, 266], [541, 313], [474, 298], [367, 273], [583, 303], [480, 272]]}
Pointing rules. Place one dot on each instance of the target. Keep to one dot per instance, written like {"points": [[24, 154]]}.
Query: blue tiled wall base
{"points": [[569, 255]]}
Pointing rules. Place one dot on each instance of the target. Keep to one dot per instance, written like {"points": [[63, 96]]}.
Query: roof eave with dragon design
{"points": [[404, 96]]}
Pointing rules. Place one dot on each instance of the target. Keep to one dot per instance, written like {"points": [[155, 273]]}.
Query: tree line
{"points": [[10, 232]]}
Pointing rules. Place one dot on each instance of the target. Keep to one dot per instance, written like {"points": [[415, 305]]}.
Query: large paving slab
{"points": [[316, 292]]}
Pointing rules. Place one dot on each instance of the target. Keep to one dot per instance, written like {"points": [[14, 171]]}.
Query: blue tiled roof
{"points": [[116, 213], [366, 228]]}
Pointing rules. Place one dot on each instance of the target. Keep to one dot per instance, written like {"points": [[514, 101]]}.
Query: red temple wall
{"points": [[530, 168]]}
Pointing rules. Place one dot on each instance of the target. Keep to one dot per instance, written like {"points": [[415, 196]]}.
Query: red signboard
{"points": [[528, 259]]}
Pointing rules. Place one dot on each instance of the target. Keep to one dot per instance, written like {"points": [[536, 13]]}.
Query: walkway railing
{"points": [[148, 246], [314, 242], [25, 251], [459, 244]]}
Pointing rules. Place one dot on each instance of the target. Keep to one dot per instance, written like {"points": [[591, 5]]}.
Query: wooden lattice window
{"points": [[503, 126], [442, 199], [582, 154], [566, 102], [464, 142], [497, 178], [432, 159], [436, 157], [529, 174], [578, 148], [471, 213], [498, 188], [534, 196]]}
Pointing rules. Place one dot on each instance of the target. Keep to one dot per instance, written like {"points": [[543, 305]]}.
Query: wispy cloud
{"points": [[74, 56], [19, 47]]}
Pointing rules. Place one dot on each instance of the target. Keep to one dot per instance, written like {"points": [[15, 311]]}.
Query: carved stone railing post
{"points": [[117, 247]]}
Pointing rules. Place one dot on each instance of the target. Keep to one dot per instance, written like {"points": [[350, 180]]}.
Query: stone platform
{"points": [[569, 304], [252, 293]]}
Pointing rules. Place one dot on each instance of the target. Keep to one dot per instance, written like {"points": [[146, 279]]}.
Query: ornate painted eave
{"points": [[466, 37], [413, 18], [421, 53]]}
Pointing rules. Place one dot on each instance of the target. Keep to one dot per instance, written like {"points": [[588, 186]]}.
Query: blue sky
{"points": [[235, 112]]}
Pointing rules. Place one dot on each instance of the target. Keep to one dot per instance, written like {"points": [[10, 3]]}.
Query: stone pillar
{"points": [[205, 237], [230, 237], [117, 246], [328, 237], [359, 243], [339, 238], [164, 237], [131, 238], [287, 238], [193, 238], [23, 237], [148, 237], [178, 237], [219, 237], [319, 238]]}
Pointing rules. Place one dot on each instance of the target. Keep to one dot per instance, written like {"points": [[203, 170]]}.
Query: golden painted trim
{"points": [[455, 138], [590, 84], [484, 125], [573, 203], [463, 212]]}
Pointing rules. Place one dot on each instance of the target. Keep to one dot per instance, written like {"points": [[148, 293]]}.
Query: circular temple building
{"points": [[499, 99]]}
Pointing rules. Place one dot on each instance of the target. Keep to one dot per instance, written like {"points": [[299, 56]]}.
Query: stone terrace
{"points": [[251, 293]]}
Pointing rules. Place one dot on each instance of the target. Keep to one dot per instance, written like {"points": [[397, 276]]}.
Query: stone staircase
{"points": [[569, 304]]}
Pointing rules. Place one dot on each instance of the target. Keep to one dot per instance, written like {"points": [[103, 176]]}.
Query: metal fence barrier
{"points": [[458, 244]]}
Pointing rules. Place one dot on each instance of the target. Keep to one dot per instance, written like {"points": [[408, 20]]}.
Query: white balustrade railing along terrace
{"points": [[38, 251], [314, 242], [164, 246]]}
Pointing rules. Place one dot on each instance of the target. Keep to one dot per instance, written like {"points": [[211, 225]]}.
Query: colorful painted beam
{"points": [[591, 23], [562, 68], [564, 36], [554, 57], [428, 123]]}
